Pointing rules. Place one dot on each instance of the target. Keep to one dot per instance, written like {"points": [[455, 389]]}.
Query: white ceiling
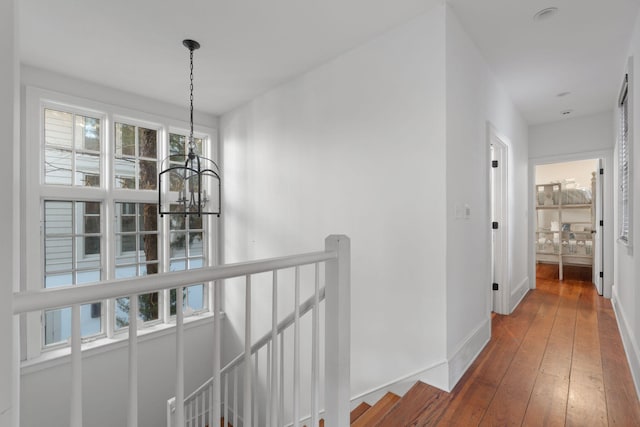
{"points": [[250, 46], [582, 49]]}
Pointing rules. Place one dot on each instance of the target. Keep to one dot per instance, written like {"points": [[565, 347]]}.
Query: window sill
{"points": [[53, 358]]}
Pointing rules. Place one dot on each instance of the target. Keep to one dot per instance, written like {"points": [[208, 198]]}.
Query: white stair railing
{"points": [[269, 409], [206, 408]]}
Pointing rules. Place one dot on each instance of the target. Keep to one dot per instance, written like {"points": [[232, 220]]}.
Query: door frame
{"points": [[498, 202], [606, 203]]}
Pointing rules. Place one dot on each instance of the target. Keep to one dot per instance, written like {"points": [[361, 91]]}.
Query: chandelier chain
{"points": [[191, 143]]}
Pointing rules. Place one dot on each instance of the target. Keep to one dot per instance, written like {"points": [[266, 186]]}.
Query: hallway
{"points": [[557, 360]]}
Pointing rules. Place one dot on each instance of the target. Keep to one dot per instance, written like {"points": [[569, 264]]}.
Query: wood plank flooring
{"points": [[557, 360]]}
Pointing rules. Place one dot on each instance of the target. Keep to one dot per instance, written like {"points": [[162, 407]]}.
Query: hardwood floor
{"points": [[557, 360]]}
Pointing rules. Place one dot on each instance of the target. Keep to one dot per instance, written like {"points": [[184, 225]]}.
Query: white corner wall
{"points": [[10, 123], [475, 100], [626, 295], [357, 147]]}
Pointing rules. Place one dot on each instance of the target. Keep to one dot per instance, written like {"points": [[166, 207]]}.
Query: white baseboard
{"points": [[468, 351], [443, 375], [629, 343], [518, 293], [435, 375]]}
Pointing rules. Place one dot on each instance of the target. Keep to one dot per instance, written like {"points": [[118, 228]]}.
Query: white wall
{"points": [[357, 147], [626, 296], [569, 136], [9, 122], [474, 98]]}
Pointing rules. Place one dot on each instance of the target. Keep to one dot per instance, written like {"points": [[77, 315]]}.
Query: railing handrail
{"points": [[41, 299]]}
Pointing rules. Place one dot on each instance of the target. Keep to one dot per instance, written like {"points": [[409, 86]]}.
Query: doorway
{"points": [[568, 236]]}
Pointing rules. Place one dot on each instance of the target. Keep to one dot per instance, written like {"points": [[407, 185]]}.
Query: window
{"points": [[93, 215], [186, 235], [136, 255], [624, 167], [67, 261], [135, 157], [72, 149]]}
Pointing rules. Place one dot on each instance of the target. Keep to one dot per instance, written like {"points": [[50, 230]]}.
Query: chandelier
{"points": [[188, 184]]}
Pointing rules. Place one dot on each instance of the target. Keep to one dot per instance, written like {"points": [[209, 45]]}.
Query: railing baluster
{"points": [[133, 361], [281, 385], [274, 358], [226, 401], [255, 391], [247, 355], [179, 359], [217, 309], [315, 349], [268, 387], [76, 368], [235, 397], [211, 411], [197, 412], [296, 351]]}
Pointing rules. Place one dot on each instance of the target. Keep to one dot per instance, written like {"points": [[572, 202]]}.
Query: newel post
{"points": [[338, 332]]}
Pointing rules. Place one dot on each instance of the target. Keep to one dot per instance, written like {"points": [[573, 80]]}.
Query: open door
{"points": [[598, 256]]}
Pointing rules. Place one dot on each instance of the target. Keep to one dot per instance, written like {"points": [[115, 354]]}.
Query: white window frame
{"points": [[625, 163], [35, 192]]}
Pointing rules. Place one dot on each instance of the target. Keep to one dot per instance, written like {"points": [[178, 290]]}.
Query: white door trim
{"points": [[607, 204]]}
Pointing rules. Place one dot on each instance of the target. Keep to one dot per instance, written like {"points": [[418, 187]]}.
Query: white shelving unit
{"points": [[565, 222]]}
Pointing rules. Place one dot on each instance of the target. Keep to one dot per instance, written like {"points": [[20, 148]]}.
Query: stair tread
{"points": [[377, 411], [422, 402], [358, 411]]}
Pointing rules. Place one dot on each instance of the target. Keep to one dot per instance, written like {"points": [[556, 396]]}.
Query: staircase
{"points": [[421, 405]]}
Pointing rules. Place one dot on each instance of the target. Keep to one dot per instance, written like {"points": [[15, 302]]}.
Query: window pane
{"points": [[58, 128], [57, 217], [127, 243], [177, 247], [92, 245], [125, 140], [177, 222], [92, 224], [83, 277], [177, 144], [149, 217], [57, 280], [58, 323], [88, 170], [195, 222], [148, 142], [58, 254], [125, 173], [147, 309], [195, 244], [126, 271], [57, 166], [127, 223], [195, 297], [148, 175], [87, 133]]}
